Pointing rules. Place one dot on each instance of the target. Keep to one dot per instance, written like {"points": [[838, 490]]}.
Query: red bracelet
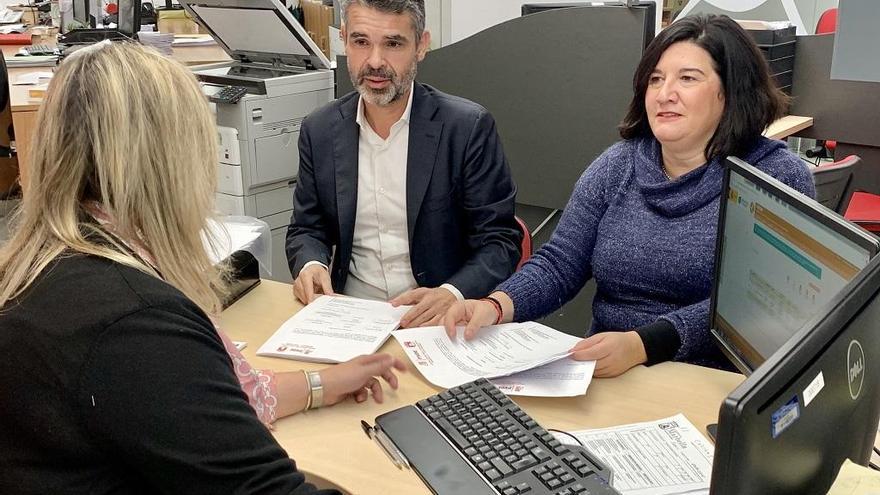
{"points": [[498, 311]]}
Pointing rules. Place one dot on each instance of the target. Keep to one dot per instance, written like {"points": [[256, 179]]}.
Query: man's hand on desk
{"points": [[312, 281], [359, 378], [429, 306], [614, 352]]}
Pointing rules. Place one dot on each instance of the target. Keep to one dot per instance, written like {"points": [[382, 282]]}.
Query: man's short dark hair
{"points": [[415, 9], [751, 100]]}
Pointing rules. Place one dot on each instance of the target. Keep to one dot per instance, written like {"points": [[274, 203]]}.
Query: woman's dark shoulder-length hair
{"points": [[751, 100]]}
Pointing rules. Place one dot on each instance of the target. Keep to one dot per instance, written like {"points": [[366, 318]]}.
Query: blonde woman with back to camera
{"points": [[114, 377]]}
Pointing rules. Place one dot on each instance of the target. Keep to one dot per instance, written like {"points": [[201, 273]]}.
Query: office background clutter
{"points": [[469, 38], [557, 84], [560, 58]]}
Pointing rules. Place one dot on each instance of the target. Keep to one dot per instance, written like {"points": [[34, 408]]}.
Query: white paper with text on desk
{"points": [[334, 329], [664, 457], [562, 378], [498, 350]]}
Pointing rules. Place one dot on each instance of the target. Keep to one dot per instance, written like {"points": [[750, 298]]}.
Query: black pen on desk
{"points": [[389, 444], [371, 434]]}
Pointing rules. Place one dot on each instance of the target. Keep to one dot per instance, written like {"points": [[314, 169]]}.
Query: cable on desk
{"points": [[576, 438]]}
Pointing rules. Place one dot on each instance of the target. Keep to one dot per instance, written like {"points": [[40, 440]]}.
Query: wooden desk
{"points": [[24, 109], [788, 125], [329, 442]]}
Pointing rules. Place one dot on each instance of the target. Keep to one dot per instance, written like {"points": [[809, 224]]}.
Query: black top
{"points": [[112, 381]]}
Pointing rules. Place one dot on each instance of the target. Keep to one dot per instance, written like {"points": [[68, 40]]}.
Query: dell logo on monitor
{"points": [[855, 364]]}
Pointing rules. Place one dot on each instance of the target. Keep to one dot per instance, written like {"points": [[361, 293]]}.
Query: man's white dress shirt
{"points": [[380, 264]]}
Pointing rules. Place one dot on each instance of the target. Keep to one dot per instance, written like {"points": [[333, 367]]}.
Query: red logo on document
{"points": [[300, 349]]}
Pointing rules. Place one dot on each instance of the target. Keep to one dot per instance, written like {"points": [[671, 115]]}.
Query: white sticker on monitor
{"points": [[814, 388]]}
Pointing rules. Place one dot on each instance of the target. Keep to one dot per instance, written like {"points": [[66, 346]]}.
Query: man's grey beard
{"points": [[387, 96]]}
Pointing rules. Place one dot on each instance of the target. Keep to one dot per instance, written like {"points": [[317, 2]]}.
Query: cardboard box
{"points": [[317, 19], [176, 22]]}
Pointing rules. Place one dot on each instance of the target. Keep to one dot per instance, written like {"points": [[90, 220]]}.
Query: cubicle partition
{"points": [[845, 111], [558, 83]]}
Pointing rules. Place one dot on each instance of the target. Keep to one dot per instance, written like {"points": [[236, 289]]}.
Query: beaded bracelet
{"points": [[498, 311]]}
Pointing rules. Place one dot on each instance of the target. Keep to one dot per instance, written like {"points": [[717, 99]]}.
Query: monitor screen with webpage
{"points": [[780, 258], [815, 402]]}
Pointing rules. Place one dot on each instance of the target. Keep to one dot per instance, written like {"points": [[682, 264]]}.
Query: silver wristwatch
{"points": [[316, 390]]}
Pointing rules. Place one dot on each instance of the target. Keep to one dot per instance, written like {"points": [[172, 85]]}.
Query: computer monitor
{"points": [[129, 17], [812, 404], [81, 13], [780, 258], [535, 8]]}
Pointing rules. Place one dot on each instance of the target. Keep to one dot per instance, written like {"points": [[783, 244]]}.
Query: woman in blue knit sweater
{"points": [[642, 219]]}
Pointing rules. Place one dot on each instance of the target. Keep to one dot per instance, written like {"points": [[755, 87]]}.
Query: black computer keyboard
{"points": [[472, 439], [41, 50]]}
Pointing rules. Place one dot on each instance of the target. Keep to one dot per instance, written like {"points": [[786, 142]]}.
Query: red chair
{"points": [[864, 210], [526, 245], [827, 22], [835, 183]]}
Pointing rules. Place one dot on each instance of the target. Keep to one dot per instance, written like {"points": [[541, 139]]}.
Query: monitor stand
{"points": [[712, 430]]}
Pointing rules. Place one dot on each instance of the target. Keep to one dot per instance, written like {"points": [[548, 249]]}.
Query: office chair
{"points": [[864, 211], [836, 190], [827, 24], [8, 160], [835, 183], [526, 245]]}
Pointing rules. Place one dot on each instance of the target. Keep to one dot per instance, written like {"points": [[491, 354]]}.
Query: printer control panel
{"points": [[228, 94]]}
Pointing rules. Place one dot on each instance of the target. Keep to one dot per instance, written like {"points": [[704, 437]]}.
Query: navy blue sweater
{"points": [[650, 245]]}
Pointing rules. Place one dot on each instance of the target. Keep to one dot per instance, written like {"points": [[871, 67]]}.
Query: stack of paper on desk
{"points": [[32, 78], [32, 61], [334, 329], [500, 351], [160, 41], [193, 40]]}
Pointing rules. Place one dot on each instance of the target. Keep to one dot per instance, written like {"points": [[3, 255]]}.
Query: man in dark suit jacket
{"points": [[404, 188]]}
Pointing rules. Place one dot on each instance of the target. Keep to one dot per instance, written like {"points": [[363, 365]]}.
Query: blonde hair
{"points": [[130, 130]]}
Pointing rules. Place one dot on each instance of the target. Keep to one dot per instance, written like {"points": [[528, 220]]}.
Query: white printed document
{"points": [[32, 78], [562, 378], [664, 457], [334, 329], [498, 350]]}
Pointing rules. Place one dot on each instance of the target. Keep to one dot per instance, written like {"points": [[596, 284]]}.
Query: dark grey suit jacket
{"points": [[459, 194]]}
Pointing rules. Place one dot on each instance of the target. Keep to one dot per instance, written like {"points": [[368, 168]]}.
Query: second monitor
{"points": [[810, 318], [780, 257]]}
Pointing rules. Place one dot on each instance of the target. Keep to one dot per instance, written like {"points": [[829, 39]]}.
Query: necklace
{"points": [[665, 173]]}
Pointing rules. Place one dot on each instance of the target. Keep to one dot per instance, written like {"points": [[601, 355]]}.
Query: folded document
{"points": [[497, 351]]}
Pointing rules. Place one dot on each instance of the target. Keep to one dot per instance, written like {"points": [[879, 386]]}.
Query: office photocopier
{"points": [[277, 76]]}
